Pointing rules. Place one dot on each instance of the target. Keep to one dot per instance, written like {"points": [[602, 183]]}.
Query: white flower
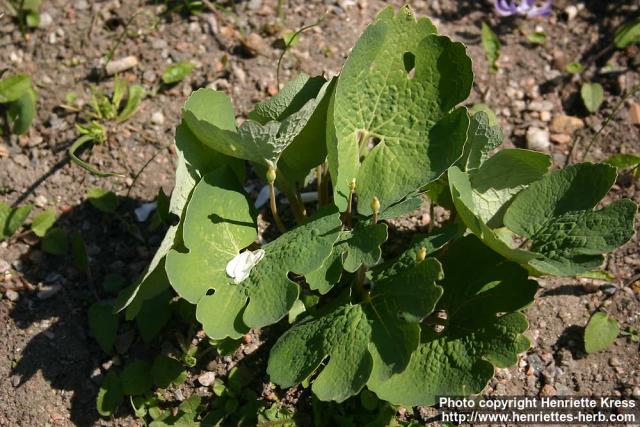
{"points": [[240, 266]]}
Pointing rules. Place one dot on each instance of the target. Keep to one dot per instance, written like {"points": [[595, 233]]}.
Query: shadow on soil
{"points": [[64, 352]]}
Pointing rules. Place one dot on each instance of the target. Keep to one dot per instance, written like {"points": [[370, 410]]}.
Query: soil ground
{"points": [[50, 368]]}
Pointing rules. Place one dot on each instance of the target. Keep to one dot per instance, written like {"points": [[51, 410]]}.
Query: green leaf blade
{"points": [[600, 333], [592, 95], [396, 85]]}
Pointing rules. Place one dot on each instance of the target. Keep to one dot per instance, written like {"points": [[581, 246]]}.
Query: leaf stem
{"points": [[271, 178], [352, 190], [274, 209], [319, 184], [298, 207], [290, 42], [613, 114], [375, 207]]}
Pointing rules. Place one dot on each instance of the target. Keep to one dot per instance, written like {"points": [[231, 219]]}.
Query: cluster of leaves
{"points": [[434, 320], [103, 110], [18, 102], [53, 240]]}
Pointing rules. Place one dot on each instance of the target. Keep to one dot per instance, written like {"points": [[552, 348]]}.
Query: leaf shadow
{"points": [[61, 349], [572, 339]]}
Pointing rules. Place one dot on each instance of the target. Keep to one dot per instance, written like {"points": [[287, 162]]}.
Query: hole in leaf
{"points": [[437, 321], [409, 60], [211, 292], [372, 142]]}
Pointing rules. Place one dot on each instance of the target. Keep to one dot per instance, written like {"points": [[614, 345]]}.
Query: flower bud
{"points": [[422, 254], [352, 185], [271, 175], [375, 205]]}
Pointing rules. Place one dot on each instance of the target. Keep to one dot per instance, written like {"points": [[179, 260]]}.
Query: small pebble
{"points": [[548, 390], [566, 124], [122, 64], [538, 139], [157, 118], [614, 361], [12, 295], [634, 113], [571, 11], [207, 379], [41, 201], [45, 20]]}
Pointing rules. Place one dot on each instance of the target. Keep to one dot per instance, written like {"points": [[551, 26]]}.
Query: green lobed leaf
{"points": [[370, 340], [110, 395], [136, 378], [393, 106], [361, 246], [253, 141], [556, 214], [213, 233], [12, 88], [592, 95], [177, 72], [462, 194], [600, 333], [11, 219], [501, 177], [103, 325], [627, 34], [43, 222], [268, 294], [491, 46], [483, 328], [404, 207], [482, 137], [194, 160]]}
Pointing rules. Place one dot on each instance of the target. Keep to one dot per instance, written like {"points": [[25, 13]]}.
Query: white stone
{"points": [[207, 378], [538, 139], [157, 118]]}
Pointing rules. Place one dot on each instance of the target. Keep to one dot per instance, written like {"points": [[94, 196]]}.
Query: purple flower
{"points": [[523, 7]]}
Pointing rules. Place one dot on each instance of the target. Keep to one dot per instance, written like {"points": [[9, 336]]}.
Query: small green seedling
{"points": [[600, 333], [626, 162], [104, 113], [491, 45], [11, 219], [592, 96], [632, 334], [574, 68], [537, 37], [17, 102], [176, 72], [26, 12], [627, 34]]}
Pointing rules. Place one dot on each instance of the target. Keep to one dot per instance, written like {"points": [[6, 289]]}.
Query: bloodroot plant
{"points": [[434, 320]]}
